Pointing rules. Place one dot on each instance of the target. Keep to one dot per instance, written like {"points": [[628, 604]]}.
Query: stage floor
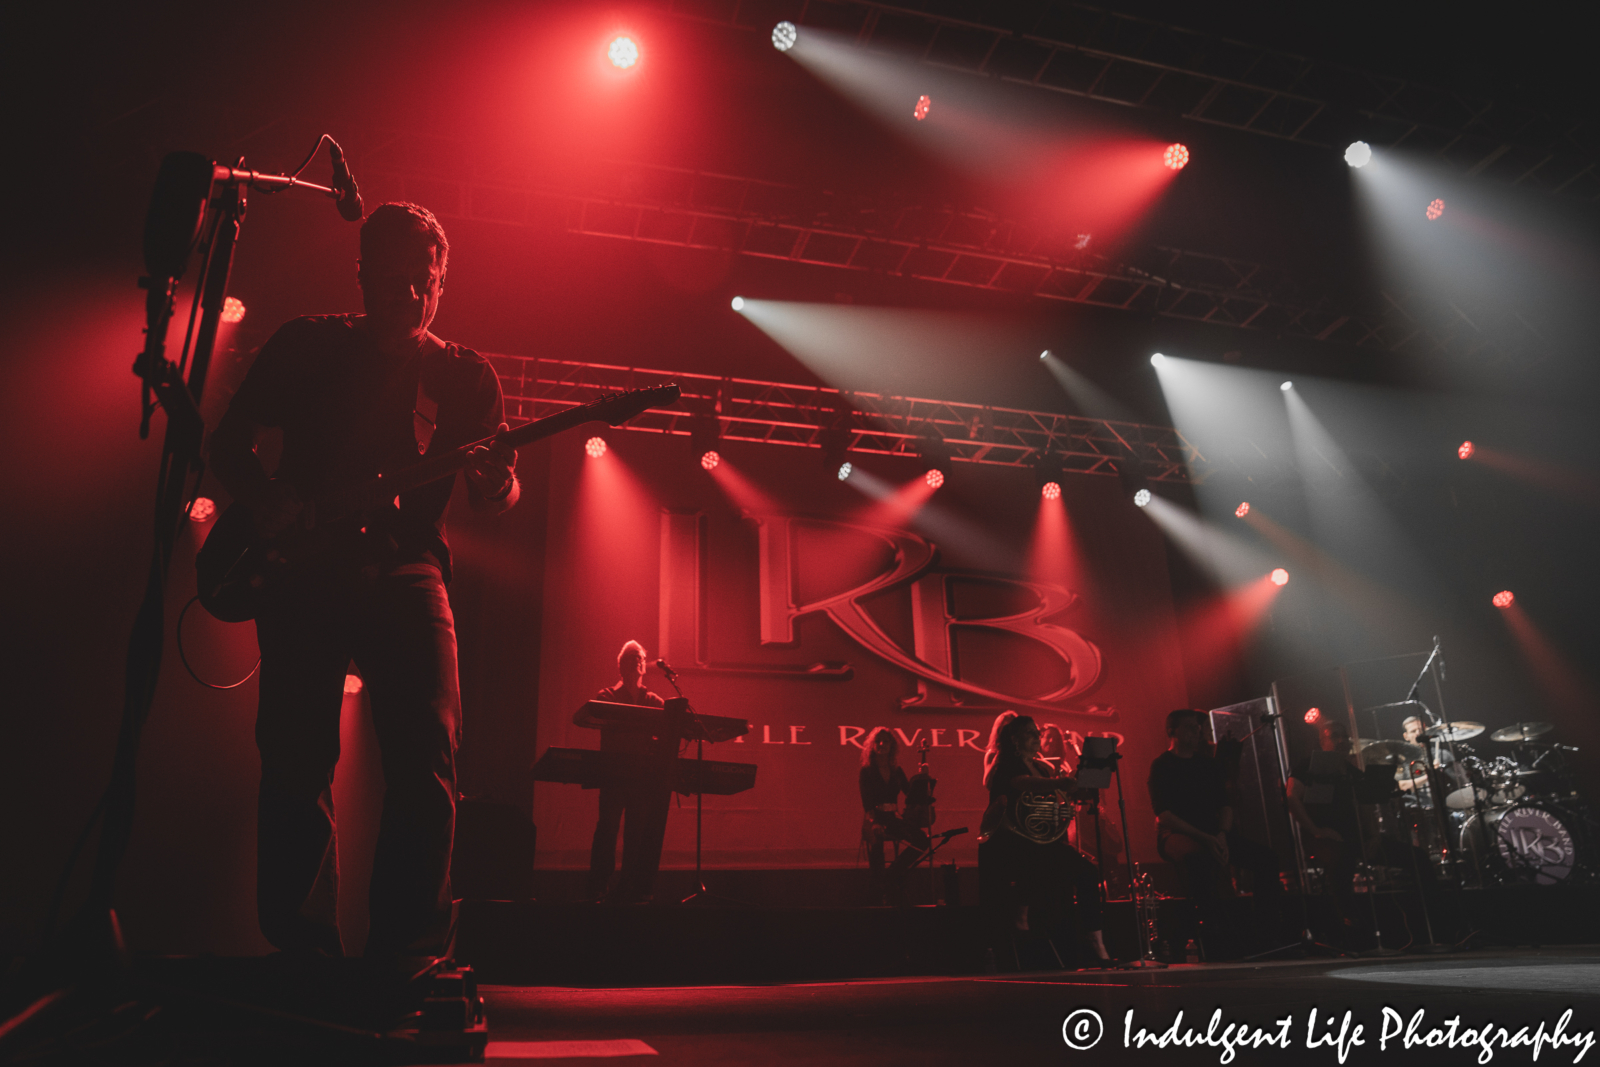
{"points": [[1017, 1019]]}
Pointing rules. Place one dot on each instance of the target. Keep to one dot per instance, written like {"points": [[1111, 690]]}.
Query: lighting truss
{"points": [[1135, 62], [778, 413], [772, 220]]}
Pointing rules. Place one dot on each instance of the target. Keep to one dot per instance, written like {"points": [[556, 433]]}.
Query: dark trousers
{"points": [[645, 805], [1203, 876], [880, 828], [399, 630], [1044, 876]]}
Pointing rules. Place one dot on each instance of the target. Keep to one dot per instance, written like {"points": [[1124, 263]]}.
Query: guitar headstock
{"points": [[619, 408]]}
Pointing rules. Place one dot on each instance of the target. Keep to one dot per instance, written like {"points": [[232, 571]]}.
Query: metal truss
{"points": [[1104, 55], [752, 217], [839, 422]]}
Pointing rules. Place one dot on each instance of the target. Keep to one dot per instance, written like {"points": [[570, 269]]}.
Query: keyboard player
{"points": [[637, 791]]}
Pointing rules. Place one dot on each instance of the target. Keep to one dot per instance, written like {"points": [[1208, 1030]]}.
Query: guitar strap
{"points": [[425, 416]]}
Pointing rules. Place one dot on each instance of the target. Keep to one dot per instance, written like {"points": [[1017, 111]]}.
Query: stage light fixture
{"points": [[738, 303], [1157, 359], [1312, 716], [1242, 510], [1466, 450], [232, 309], [1280, 576], [709, 460], [202, 509], [353, 684], [1082, 241], [595, 446], [920, 112], [622, 52], [1044, 355], [1359, 154], [1286, 386], [1435, 209], [784, 35], [1504, 598], [1051, 491], [1176, 157], [845, 470], [1141, 498], [935, 455]]}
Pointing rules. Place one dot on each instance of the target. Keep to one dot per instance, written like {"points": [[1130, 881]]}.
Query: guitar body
{"points": [[238, 570]]}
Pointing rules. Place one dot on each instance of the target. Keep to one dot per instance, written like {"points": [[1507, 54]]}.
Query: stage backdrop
{"points": [[819, 611]]}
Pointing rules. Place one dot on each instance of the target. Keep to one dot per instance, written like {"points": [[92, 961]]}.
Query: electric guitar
{"points": [[238, 569]]}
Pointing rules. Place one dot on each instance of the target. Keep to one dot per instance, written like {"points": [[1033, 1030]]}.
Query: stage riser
{"points": [[595, 945]]}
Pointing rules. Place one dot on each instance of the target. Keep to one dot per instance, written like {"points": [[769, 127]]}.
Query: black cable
{"points": [[324, 139], [184, 657]]}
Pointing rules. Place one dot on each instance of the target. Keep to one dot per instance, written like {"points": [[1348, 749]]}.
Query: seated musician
{"points": [[1044, 867], [640, 764], [1194, 819], [1438, 769], [882, 784]]}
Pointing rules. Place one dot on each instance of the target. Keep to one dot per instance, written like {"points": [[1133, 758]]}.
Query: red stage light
{"points": [[1435, 209], [1312, 715], [1176, 157], [1051, 490], [202, 509], [1503, 598], [623, 53], [1465, 451], [709, 460], [921, 110], [934, 478], [595, 446], [1280, 577], [353, 683], [1242, 510], [232, 309]]}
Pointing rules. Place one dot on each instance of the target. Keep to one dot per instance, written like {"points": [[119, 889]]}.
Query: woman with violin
{"points": [[882, 784], [1023, 840]]}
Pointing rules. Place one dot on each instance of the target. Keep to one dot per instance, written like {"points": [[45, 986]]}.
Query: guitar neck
{"points": [[614, 410]]}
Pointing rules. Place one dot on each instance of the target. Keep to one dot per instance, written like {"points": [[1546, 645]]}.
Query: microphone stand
{"points": [[701, 894], [196, 205], [1147, 959]]}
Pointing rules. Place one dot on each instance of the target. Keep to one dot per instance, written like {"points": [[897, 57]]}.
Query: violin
{"points": [[919, 793]]}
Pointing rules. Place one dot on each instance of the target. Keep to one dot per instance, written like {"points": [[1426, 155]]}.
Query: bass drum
{"points": [[1529, 842]]}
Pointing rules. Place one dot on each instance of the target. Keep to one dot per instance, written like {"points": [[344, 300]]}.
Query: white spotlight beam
{"points": [[1532, 148], [770, 220]]}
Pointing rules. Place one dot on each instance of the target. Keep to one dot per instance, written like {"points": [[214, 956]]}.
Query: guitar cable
{"points": [[185, 657]]}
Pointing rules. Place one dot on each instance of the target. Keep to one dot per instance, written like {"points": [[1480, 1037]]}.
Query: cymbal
{"points": [[1461, 730], [1522, 731], [1462, 799], [1388, 751]]}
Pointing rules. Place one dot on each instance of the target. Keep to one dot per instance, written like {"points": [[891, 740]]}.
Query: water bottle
{"points": [[1191, 951]]}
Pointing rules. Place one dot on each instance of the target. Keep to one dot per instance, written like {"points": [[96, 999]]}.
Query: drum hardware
{"points": [[1389, 752], [1522, 731], [1455, 731]]}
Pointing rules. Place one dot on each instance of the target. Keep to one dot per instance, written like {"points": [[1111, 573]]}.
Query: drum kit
{"points": [[1509, 816]]}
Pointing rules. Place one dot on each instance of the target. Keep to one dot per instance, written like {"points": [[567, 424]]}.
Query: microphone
{"points": [[344, 185], [666, 670]]}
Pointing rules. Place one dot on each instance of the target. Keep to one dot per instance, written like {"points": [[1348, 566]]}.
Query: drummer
{"points": [[1415, 775]]}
